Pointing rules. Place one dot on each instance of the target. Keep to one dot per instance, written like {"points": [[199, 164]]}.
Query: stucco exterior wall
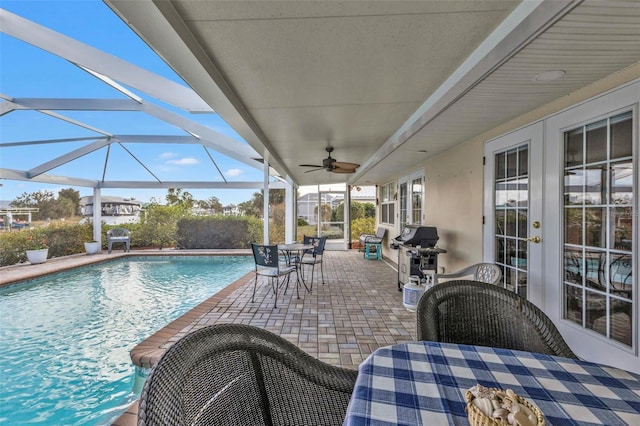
{"points": [[453, 204]]}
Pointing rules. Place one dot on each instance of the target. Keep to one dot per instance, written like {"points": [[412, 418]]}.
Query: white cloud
{"points": [[183, 162], [234, 172]]}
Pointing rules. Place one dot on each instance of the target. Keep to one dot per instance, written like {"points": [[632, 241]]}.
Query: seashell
{"points": [[530, 414], [480, 391], [484, 405], [508, 403], [521, 419], [501, 414], [510, 419], [511, 394]]}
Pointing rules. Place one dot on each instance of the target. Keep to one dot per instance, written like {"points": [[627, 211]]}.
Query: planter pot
{"points": [[37, 256], [92, 247]]}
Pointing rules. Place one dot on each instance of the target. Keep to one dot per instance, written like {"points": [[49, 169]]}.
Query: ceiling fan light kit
{"points": [[330, 164]]}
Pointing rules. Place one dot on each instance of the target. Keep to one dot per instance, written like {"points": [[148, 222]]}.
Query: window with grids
{"points": [[387, 203], [598, 227]]}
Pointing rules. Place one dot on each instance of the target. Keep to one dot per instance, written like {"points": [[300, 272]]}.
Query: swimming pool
{"points": [[65, 339]]}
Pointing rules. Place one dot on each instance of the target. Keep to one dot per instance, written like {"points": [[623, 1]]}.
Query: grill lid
{"points": [[414, 235]]}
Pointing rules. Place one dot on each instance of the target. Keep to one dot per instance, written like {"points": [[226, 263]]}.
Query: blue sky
{"points": [[27, 71]]}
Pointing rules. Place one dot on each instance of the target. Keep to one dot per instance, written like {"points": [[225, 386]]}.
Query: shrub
{"points": [[218, 232], [61, 240], [363, 225]]}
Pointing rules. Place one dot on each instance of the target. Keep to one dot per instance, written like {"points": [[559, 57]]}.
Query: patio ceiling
{"points": [[388, 84]]}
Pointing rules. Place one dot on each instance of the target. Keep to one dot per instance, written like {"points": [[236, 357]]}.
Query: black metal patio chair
{"points": [[477, 313], [268, 265], [233, 374], [314, 256]]}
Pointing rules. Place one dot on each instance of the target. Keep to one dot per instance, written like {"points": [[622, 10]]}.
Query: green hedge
{"points": [[213, 232], [60, 239]]}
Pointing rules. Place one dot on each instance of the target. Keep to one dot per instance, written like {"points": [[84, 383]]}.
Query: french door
{"points": [[561, 219], [513, 210]]}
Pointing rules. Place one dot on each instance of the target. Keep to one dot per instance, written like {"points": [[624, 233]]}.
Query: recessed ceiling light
{"points": [[546, 76]]}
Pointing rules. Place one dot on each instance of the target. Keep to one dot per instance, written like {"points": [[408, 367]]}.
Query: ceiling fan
{"points": [[332, 165]]}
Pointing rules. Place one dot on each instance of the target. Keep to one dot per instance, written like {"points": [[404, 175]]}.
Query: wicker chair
{"points": [[476, 313], [232, 374]]}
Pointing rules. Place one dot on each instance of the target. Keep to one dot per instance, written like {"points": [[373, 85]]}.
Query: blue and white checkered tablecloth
{"points": [[423, 383]]}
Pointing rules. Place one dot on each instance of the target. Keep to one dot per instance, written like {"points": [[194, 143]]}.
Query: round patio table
{"points": [[293, 253]]}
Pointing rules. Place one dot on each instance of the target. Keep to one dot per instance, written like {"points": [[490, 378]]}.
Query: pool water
{"points": [[65, 339]]}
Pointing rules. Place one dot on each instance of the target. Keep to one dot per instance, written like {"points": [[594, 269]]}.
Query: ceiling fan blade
{"points": [[315, 170], [344, 165], [310, 165], [343, 170]]}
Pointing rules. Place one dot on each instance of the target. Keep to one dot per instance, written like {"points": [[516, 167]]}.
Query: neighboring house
{"points": [[16, 217], [115, 210], [308, 204], [232, 210], [364, 194]]}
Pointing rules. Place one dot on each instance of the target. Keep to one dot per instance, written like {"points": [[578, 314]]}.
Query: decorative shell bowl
{"points": [[497, 407]]}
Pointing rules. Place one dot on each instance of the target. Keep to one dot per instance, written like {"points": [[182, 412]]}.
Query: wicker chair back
{"points": [[232, 374], [477, 313]]}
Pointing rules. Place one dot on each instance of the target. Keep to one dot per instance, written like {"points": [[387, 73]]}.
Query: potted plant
{"points": [[37, 250], [92, 247]]}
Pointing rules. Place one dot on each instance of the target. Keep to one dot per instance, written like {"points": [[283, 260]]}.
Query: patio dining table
{"points": [[293, 253], [420, 383]]}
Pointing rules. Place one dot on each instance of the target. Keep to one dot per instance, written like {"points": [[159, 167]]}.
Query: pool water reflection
{"points": [[65, 339]]}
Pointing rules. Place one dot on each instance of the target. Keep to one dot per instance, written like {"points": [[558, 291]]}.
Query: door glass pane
{"points": [[621, 317], [573, 268], [620, 274], [621, 183], [500, 165], [596, 142], [416, 201], [512, 216], [573, 221], [593, 226], [573, 143], [573, 304], [596, 311], [621, 226], [402, 202], [621, 136], [574, 187], [595, 184], [500, 222], [512, 163], [500, 250], [599, 221]]}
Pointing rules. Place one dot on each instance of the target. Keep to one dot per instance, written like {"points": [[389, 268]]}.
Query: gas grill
{"points": [[417, 252]]}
